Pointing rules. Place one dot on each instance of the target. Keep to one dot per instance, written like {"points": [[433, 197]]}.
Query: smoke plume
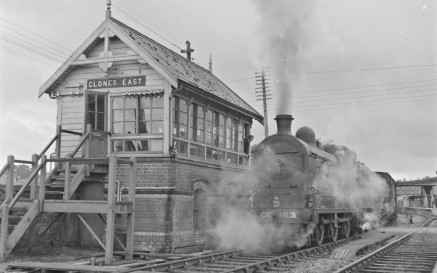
{"points": [[283, 40]]}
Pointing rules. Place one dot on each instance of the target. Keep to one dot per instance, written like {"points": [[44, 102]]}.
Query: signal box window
{"points": [[96, 104], [136, 116]]}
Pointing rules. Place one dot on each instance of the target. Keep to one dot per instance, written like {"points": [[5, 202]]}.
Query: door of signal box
{"points": [[96, 116]]}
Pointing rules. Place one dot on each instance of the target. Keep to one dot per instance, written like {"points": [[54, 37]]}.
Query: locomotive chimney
{"points": [[284, 124]]}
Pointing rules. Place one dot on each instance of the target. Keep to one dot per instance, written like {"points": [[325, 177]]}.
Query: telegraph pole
{"points": [[262, 91]]}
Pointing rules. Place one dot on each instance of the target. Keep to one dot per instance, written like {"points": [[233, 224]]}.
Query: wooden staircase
{"points": [[57, 192]]}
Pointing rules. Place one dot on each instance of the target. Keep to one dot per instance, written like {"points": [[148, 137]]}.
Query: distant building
{"points": [[417, 193]]}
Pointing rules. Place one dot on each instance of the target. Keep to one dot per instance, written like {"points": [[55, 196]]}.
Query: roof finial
{"points": [[188, 50], [210, 62], [108, 8]]}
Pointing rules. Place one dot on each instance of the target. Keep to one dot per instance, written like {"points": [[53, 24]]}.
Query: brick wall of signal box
{"points": [[164, 211]]}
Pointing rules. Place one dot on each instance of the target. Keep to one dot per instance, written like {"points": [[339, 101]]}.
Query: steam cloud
{"points": [[284, 38], [233, 224]]}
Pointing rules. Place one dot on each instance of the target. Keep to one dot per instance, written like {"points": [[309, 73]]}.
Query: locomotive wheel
{"points": [[319, 234], [346, 229], [333, 232]]}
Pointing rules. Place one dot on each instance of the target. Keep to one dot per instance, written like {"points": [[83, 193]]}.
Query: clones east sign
{"points": [[116, 82]]}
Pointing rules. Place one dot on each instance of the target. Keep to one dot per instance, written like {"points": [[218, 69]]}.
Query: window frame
{"points": [[87, 111], [214, 128], [154, 141]]}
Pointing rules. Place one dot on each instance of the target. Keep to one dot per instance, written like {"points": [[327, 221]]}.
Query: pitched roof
{"points": [[185, 70], [173, 66]]}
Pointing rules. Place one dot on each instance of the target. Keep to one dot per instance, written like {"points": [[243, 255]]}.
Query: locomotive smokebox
{"points": [[284, 124]]}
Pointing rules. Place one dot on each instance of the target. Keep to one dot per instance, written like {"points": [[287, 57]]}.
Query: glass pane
{"points": [[144, 127], [209, 115], [199, 136], [145, 102], [183, 118], [208, 153], [208, 126], [200, 123], [117, 128], [92, 119], [183, 131], [221, 119], [92, 102], [208, 138], [143, 145], [117, 115], [131, 102], [145, 114], [197, 151], [117, 103], [101, 103], [117, 146], [221, 141], [156, 145], [157, 127], [129, 115], [158, 114], [158, 101], [129, 128], [182, 105], [100, 121], [181, 148], [129, 145]]}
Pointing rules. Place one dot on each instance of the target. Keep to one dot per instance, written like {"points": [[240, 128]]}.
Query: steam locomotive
{"points": [[311, 192]]}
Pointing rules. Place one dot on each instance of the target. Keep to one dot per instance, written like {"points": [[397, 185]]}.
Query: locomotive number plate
{"points": [[281, 214]]}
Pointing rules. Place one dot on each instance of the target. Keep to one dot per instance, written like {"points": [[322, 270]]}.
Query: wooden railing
{"points": [[10, 164], [39, 178], [11, 200]]}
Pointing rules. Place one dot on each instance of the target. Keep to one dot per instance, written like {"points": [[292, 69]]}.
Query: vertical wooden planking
{"points": [[110, 217]]}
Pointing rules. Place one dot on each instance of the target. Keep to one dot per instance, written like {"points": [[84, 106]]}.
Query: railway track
{"points": [[237, 261], [414, 252]]}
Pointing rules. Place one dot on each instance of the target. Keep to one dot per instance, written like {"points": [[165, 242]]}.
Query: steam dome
{"points": [[306, 134]]}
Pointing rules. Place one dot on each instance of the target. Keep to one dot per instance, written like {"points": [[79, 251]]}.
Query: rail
{"points": [[366, 259]]}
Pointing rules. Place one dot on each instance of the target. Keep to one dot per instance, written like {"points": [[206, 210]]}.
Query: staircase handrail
{"points": [[82, 141], [29, 180], [48, 145], [76, 149], [4, 169]]}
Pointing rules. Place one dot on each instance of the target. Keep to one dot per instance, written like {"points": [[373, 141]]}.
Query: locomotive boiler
{"points": [[308, 190]]}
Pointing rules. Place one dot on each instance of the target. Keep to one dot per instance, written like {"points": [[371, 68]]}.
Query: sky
{"points": [[360, 73]]}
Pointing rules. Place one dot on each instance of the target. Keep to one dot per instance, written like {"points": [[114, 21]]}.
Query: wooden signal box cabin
{"points": [[134, 98]]}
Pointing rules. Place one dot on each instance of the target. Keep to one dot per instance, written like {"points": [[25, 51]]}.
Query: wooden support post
{"points": [[131, 216], [35, 180], [58, 141], [4, 232], [42, 183], [9, 194], [67, 178], [10, 177], [110, 215]]}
